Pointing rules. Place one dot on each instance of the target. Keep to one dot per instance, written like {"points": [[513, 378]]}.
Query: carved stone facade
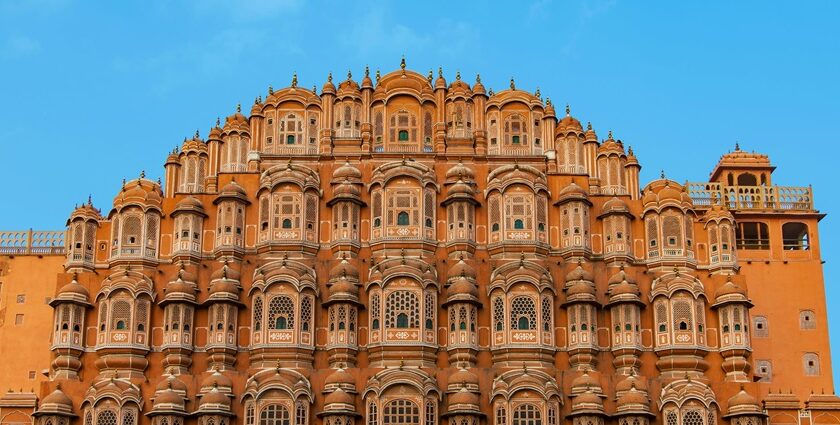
{"points": [[407, 251]]}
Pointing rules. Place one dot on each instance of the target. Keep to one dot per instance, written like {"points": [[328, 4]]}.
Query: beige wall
{"points": [[26, 347]]}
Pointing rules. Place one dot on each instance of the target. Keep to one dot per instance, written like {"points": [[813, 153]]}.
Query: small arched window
{"points": [[402, 320], [811, 363], [527, 414], [287, 223], [518, 224], [402, 218], [403, 136], [120, 325], [806, 320]]}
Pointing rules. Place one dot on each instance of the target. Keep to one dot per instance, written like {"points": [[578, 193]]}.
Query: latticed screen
{"points": [[305, 312], [401, 412], [498, 314], [682, 315], [652, 231], [692, 417], [281, 313], [258, 313], [495, 212], [402, 310], [671, 230], [429, 309], [106, 417], [120, 315], [546, 313], [523, 314]]}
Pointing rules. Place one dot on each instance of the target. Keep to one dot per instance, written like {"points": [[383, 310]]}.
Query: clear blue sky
{"points": [[91, 92]]}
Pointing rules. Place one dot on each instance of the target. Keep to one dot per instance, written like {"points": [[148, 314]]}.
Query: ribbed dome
{"points": [[340, 377], [584, 382], [615, 205], [463, 377], [568, 123], [631, 381], [190, 204], [743, 398], [730, 288], [346, 171], [464, 397], [587, 401], [216, 379], [339, 396], [58, 397], [169, 397], [214, 396], [463, 286], [632, 397], [580, 287], [460, 188], [573, 189], [459, 269], [225, 272], [478, 88], [74, 288], [171, 382], [347, 189], [460, 171], [233, 190], [344, 270], [580, 274], [344, 288], [619, 277], [141, 192]]}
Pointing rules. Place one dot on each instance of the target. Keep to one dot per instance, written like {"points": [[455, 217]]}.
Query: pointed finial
{"points": [[314, 89], [478, 78], [609, 134], [158, 181], [367, 71], [270, 89], [512, 84], [429, 76], [294, 80], [90, 200], [490, 92], [537, 92], [661, 174], [196, 134], [568, 110], [589, 125], [548, 101], [218, 122], [377, 76], [329, 77], [457, 75], [349, 75], [402, 63], [440, 72], [737, 147], [630, 150], [238, 107], [142, 174]]}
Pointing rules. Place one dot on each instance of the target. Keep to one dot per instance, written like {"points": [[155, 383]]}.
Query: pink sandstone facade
{"points": [[403, 250]]}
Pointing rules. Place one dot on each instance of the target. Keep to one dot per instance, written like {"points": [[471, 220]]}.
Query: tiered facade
{"points": [[407, 251]]}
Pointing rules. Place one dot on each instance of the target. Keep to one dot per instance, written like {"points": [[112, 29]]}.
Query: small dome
{"points": [[461, 269], [463, 377], [347, 171], [580, 287], [180, 286], [615, 205], [170, 397], [625, 288], [464, 397], [339, 396], [233, 190], [171, 382], [225, 273], [344, 288], [74, 288], [346, 189], [587, 401], [568, 123], [460, 171], [580, 274], [340, 377], [583, 382], [463, 286], [620, 276], [460, 188], [190, 204], [631, 381], [58, 397], [632, 397], [573, 192], [140, 192], [743, 398], [216, 380], [329, 87], [215, 396], [344, 270], [730, 288]]}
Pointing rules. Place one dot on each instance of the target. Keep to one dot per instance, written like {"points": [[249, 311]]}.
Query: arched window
{"points": [[526, 414], [402, 320], [287, 223], [498, 314], [795, 236], [401, 412], [402, 218], [811, 364], [275, 414], [402, 310], [518, 224], [372, 414]]}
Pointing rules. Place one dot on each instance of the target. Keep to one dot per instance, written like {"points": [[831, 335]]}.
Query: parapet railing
{"points": [[32, 242], [751, 197]]}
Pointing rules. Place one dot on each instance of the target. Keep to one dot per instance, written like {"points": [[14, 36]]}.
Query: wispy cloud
{"points": [[16, 46]]}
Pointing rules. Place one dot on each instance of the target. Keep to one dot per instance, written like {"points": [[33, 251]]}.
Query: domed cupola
{"points": [[348, 87], [214, 407], [478, 88], [367, 83], [343, 305], [169, 401], [339, 403], [462, 304], [568, 124], [81, 236], [462, 399], [744, 409], [733, 305], [460, 206], [581, 310], [182, 288], [587, 408], [346, 205], [634, 405], [55, 408], [223, 306], [179, 303]]}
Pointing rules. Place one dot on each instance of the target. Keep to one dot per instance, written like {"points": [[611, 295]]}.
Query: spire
{"points": [[512, 84], [238, 107], [478, 78], [661, 174], [568, 110], [367, 71], [429, 76], [537, 93], [142, 174], [457, 75], [294, 80], [270, 90], [589, 125], [548, 101], [377, 76], [90, 201], [609, 134], [737, 147], [196, 134], [440, 72], [349, 75], [402, 63], [218, 121]]}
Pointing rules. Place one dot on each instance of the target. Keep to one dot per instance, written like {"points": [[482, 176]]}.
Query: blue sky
{"points": [[93, 92]]}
